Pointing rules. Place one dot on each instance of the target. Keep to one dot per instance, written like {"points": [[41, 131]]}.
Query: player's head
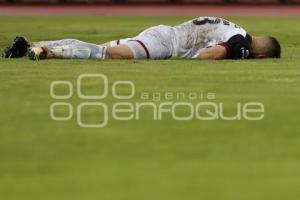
{"points": [[265, 47]]}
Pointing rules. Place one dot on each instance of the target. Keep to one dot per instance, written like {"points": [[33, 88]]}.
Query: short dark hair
{"points": [[274, 47]]}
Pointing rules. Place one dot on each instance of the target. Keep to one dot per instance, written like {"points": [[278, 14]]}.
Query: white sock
{"points": [[79, 51]]}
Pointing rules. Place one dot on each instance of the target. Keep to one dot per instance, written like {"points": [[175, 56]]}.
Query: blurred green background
{"points": [[227, 160]]}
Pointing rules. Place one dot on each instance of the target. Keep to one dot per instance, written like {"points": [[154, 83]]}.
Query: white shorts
{"points": [[153, 43]]}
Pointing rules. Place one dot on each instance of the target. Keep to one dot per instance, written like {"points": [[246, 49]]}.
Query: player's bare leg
{"points": [[119, 52]]}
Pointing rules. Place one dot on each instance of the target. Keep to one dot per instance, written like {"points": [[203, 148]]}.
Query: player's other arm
{"points": [[213, 53], [237, 47]]}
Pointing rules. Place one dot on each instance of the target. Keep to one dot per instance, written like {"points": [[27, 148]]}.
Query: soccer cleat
{"points": [[37, 53], [17, 49]]}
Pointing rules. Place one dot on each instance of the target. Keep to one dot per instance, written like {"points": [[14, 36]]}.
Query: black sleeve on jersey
{"points": [[238, 47]]}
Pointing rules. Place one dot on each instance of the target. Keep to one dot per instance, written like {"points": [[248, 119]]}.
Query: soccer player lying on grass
{"points": [[202, 38]]}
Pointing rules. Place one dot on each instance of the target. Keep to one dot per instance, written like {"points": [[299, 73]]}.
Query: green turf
{"points": [[227, 160]]}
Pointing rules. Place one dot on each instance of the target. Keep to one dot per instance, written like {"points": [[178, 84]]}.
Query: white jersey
{"points": [[189, 39], [194, 35]]}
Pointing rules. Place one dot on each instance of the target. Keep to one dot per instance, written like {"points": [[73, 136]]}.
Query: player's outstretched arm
{"points": [[213, 53]]}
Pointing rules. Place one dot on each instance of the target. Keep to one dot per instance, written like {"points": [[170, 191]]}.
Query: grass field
{"points": [[226, 160]]}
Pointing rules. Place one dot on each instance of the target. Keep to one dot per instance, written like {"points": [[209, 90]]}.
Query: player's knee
{"points": [[119, 53], [114, 54], [111, 53]]}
